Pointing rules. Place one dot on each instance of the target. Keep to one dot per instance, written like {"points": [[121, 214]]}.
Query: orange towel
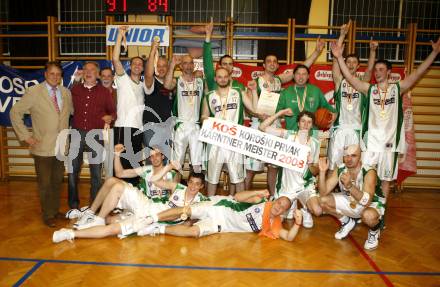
{"points": [[268, 229]]}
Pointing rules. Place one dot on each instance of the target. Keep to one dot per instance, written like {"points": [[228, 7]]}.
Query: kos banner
{"points": [[254, 143], [139, 35]]}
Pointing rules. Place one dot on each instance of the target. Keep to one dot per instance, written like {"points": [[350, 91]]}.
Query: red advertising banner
{"points": [[408, 166]]}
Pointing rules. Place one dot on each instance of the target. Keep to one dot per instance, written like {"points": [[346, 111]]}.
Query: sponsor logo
{"points": [[236, 72], [324, 75], [256, 74]]}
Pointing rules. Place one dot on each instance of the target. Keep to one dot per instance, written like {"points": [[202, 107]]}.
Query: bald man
{"points": [[186, 107], [360, 195]]}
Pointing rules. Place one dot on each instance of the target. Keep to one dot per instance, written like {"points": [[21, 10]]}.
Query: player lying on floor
{"points": [[250, 213]]}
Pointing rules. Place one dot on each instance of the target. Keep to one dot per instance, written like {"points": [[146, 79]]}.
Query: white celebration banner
{"points": [[254, 143], [139, 35]]}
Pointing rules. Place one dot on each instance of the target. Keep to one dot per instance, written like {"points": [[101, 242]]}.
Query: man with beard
{"points": [[360, 195], [225, 103]]}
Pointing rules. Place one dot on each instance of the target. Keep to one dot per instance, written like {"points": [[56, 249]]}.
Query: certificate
{"points": [[267, 103]]}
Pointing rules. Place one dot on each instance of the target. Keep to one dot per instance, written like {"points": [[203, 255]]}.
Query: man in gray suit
{"points": [[50, 105]]}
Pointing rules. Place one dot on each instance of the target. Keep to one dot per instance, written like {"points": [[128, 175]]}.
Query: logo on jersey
{"points": [[213, 101], [176, 197], [230, 106], [182, 85], [257, 210], [251, 221]]}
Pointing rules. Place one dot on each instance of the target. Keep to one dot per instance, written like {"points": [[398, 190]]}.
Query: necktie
{"points": [[54, 99]]}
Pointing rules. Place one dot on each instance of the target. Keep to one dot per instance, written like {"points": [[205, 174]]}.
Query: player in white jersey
{"points": [[141, 208], [186, 107], [270, 82], [225, 103], [360, 195], [350, 104], [113, 188], [247, 213], [382, 130], [293, 184]]}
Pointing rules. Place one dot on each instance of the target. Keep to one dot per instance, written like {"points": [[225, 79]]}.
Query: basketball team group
{"points": [[148, 128]]}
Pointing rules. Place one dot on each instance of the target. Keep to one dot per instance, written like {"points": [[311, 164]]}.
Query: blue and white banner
{"points": [[139, 35], [13, 84]]}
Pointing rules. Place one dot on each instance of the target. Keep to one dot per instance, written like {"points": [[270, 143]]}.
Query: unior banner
{"points": [[139, 35], [254, 143]]}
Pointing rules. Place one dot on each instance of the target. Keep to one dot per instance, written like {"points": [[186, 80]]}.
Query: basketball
{"points": [[323, 118]]}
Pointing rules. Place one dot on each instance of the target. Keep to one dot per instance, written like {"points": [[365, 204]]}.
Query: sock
{"points": [[376, 227], [344, 219], [162, 229]]}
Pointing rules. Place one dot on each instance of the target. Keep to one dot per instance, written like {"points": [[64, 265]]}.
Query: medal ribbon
{"points": [[298, 102]]}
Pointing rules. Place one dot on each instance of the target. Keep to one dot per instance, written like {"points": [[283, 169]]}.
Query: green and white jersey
{"points": [[229, 108], [188, 98], [238, 216], [273, 87], [290, 182], [349, 105], [263, 85], [151, 191], [177, 199], [382, 129], [359, 182]]}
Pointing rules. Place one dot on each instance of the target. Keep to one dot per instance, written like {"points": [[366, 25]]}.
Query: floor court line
{"points": [[370, 261], [29, 273], [214, 268]]}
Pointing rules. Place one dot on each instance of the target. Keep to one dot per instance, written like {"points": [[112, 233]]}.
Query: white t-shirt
{"points": [[130, 105]]}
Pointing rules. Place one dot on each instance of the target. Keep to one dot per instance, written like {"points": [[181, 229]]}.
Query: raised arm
{"points": [[119, 69], [288, 75], [170, 82], [149, 71], [409, 81], [320, 44], [119, 170], [371, 61], [355, 82], [208, 62], [336, 71], [325, 186]]}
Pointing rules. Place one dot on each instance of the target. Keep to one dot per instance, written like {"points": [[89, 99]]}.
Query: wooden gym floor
{"points": [[408, 254]]}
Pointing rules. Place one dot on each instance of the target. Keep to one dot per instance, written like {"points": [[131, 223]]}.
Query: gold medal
{"points": [[383, 114], [184, 216], [352, 204], [350, 107]]}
